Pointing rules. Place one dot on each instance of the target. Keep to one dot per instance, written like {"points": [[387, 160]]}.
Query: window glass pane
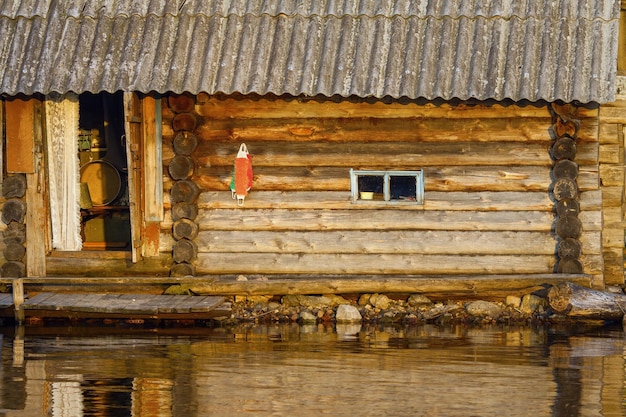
{"points": [[402, 187], [371, 183]]}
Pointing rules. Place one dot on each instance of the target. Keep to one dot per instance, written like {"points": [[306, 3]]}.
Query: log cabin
{"points": [[410, 145]]}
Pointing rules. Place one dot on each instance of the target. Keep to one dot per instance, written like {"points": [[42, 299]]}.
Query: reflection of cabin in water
{"points": [[497, 113]]}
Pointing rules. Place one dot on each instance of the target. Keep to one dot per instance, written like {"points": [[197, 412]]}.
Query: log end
{"points": [[559, 298]]}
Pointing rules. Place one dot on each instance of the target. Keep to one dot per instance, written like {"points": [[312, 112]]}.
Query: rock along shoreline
{"points": [[380, 308]]}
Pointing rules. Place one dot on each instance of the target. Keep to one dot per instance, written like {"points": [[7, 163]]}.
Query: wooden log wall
{"points": [[611, 165], [14, 234], [568, 228], [488, 209]]}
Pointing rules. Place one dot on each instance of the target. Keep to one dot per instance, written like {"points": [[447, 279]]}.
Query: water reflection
{"points": [[313, 370]]}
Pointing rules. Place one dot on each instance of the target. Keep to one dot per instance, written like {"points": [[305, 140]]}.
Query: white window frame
{"points": [[386, 177]]}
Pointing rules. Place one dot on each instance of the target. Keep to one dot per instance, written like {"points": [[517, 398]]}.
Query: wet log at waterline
{"points": [[585, 303]]}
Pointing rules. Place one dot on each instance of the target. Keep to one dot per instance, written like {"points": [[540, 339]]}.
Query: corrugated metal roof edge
{"points": [[537, 16], [471, 101]]}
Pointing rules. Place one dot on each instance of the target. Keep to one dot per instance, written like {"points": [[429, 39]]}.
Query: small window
{"points": [[387, 186]]}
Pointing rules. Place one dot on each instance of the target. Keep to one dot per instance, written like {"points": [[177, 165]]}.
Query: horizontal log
{"points": [[320, 219], [97, 264], [262, 263], [477, 201], [365, 154], [582, 302], [369, 153], [181, 103], [590, 242], [322, 178], [13, 210], [184, 143], [379, 129], [14, 186], [379, 242], [436, 287], [229, 107]]}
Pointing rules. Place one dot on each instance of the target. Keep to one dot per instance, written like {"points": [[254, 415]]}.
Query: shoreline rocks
{"points": [[381, 308]]}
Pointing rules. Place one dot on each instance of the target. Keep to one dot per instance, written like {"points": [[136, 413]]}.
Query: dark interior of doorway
{"points": [[105, 216]]}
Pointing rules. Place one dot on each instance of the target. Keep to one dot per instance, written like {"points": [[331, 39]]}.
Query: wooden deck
{"points": [[103, 305], [142, 297]]}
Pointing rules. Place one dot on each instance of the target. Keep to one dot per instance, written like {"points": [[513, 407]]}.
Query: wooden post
{"points": [[18, 299]]}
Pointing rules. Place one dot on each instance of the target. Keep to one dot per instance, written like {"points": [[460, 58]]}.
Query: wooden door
{"points": [[143, 152]]}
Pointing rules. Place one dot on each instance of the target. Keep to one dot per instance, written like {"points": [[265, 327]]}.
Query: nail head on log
{"points": [[565, 188], [184, 251], [185, 229], [570, 248], [181, 103], [184, 210], [184, 191], [184, 121], [13, 210], [185, 143], [565, 169], [13, 269], [564, 148], [14, 186], [568, 226], [568, 207]]}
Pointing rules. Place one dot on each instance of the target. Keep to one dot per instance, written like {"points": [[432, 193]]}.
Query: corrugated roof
{"points": [[483, 49]]}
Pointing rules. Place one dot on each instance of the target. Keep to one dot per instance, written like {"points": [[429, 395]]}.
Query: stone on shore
{"points": [[484, 309], [532, 304], [416, 300], [380, 301], [307, 317], [347, 313]]}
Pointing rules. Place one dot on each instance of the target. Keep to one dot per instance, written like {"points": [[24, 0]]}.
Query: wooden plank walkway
{"points": [[6, 301], [106, 305]]}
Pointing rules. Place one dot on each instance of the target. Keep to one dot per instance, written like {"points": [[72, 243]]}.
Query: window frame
{"points": [[386, 177]]}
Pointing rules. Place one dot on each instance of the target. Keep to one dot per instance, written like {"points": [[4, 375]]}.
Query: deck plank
{"points": [[124, 304], [6, 300]]}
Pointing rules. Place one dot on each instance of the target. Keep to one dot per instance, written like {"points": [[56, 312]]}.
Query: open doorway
{"points": [[104, 201]]}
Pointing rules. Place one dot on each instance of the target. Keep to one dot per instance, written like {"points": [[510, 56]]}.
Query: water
{"points": [[291, 370]]}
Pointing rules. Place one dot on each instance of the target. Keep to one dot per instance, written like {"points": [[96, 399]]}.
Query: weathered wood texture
{"points": [[611, 170], [488, 202], [586, 303]]}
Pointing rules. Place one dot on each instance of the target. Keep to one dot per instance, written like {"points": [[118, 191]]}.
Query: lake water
{"points": [[316, 370]]}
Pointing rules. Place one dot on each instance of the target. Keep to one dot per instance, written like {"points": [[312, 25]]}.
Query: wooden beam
{"points": [[20, 142], [18, 298], [437, 286]]}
